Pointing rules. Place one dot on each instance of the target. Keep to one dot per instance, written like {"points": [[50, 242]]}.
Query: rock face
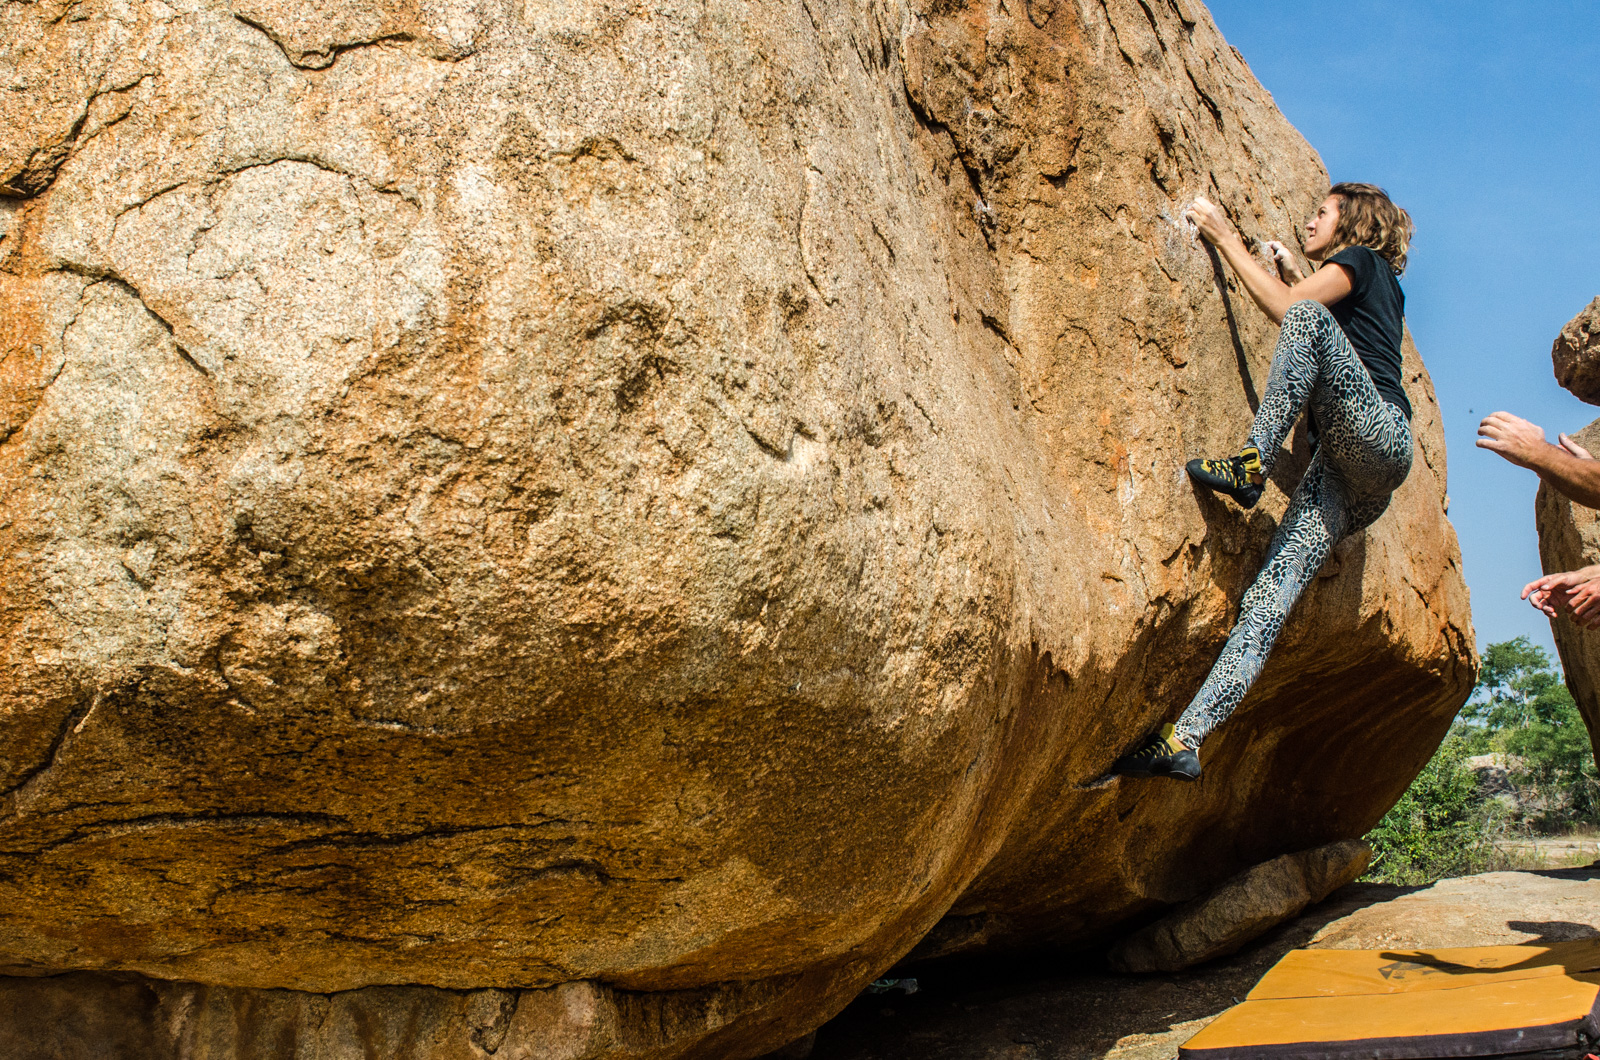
{"points": [[672, 503], [1569, 538], [1569, 534], [1242, 909], [1576, 354]]}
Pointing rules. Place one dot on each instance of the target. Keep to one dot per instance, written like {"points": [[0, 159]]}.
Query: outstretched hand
{"points": [[1512, 437], [1209, 219], [1574, 592]]}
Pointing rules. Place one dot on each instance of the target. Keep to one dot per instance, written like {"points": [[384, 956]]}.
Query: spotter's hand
{"points": [[1574, 448], [1512, 437], [1547, 592], [1575, 592], [1209, 219]]}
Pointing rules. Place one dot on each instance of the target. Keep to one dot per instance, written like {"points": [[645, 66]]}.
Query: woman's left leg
{"points": [[1317, 519]]}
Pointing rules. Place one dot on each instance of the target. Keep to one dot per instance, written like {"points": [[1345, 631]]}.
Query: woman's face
{"points": [[1319, 230]]}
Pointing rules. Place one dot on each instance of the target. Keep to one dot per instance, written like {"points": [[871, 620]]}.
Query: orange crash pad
{"points": [[1413, 1005]]}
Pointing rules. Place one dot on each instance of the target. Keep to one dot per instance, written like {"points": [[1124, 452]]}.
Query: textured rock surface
{"points": [[1576, 354], [673, 498], [1242, 909], [1569, 538], [91, 1015]]}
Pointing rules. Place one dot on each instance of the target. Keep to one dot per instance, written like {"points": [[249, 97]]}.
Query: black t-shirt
{"points": [[1373, 318]]}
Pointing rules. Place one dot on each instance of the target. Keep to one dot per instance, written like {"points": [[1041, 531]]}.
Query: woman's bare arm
{"points": [[1327, 286]]}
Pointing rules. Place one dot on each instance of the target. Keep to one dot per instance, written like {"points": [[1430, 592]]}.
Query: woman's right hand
{"points": [[1209, 219]]}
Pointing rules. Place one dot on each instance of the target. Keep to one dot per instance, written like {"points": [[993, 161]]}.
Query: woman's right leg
{"points": [[1310, 343]]}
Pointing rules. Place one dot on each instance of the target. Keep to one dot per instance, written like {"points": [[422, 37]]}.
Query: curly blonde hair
{"points": [[1368, 218]]}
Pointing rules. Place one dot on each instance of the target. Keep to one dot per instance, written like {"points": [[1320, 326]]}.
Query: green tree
{"points": [[1516, 686], [1522, 708]]}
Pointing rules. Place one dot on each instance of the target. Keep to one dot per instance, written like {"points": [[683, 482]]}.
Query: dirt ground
{"points": [[1550, 852], [1055, 1010]]}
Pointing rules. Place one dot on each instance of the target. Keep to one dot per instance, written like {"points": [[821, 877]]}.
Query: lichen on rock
{"points": [[685, 499]]}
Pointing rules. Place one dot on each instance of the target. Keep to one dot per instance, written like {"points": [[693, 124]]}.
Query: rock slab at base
{"points": [[88, 1016], [1241, 910], [1490, 909], [676, 497]]}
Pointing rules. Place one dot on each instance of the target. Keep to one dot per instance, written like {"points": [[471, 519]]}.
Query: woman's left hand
{"points": [[1210, 220]]}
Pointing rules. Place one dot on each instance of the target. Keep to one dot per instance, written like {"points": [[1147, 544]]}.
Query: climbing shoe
{"points": [[1161, 756], [1231, 476]]}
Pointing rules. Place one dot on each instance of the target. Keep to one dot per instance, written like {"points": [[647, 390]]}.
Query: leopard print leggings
{"points": [[1362, 456]]}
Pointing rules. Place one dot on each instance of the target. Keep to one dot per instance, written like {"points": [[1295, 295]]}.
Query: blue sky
{"points": [[1482, 119]]}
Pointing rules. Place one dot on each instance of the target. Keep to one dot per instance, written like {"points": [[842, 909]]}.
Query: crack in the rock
{"points": [[146, 201], [326, 59], [993, 324], [1117, 37], [1205, 97], [321, 60], [1240, 356], [388, 839], [327, 167], [1155, 28], [156, 822], [61, 341], [74, 721], [107, 276], [44, 163]]}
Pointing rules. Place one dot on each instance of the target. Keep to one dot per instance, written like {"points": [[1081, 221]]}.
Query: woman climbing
{"points": [[1338, 353]]}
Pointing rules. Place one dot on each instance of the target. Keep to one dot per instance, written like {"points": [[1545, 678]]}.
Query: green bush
{"points": [[1440, 827]]}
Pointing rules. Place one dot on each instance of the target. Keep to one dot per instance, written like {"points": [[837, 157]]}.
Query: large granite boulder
{"points": [[640, 513]]}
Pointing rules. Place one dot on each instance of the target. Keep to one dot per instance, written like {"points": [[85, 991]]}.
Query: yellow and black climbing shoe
{"points": [[1238, 476], [1161, 756]]}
